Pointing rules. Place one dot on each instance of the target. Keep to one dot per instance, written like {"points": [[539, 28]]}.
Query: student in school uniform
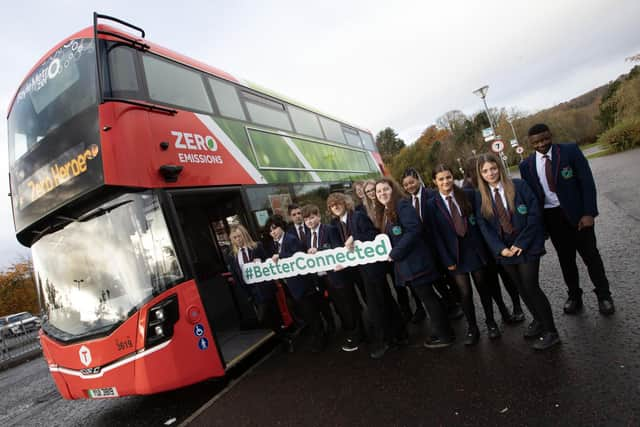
{"points": [[300, 230], [339, 284], [297, 226], [263, 295], [302, 288], [562, 180], [414, 186], [402, 293], [387, 326], [461, 248], [509, 217], [413, 259], [493, 269]]}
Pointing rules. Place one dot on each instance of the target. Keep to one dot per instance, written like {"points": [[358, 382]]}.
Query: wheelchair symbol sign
{"points": [[198, 330]]}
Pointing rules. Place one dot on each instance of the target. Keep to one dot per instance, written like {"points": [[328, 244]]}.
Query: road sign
{"points": [[514, 142], [497, 146], [487, 132], [519, 150], [488, 135]]}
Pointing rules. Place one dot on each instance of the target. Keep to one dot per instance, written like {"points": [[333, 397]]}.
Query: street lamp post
{"points": [[482, 93]]}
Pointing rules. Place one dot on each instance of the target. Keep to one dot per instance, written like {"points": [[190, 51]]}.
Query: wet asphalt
{"points": [[592, 378]]}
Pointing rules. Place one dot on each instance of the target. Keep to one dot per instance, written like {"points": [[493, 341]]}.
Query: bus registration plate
{"points": [[102, 393]]}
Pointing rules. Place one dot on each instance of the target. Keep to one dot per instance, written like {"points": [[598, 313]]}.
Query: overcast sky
{"points": [[373, 63]]}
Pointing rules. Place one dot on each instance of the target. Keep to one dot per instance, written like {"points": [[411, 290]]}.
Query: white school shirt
{"points": [[453, 199]]}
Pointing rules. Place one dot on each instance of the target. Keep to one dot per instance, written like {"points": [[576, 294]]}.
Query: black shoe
{"points": [[350, 345], [534, 330], [455, 312], [493, 331], [379, 352], [573, 305], [472, 337], [606, 307], [546, 341], [436, 342], [418, 316]]}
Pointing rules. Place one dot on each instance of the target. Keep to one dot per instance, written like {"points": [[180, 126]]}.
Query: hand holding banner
{"points": [[325, 260]]}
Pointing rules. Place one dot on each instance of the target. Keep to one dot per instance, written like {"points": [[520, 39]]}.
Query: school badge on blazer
{"points": [[567, 172], [396, 230], [472, 219], [522, 209]]}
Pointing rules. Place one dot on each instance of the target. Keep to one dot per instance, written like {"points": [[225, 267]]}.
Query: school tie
{"points": [[277, 246], [416, 205], [458, 221], [503, 216], [314, 240], [301, 232], [245, 256], [343, 229], [548, 171]]}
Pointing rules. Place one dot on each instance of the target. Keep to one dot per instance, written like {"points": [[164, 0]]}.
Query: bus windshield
{"points": [[62, 87], [97, 270]]}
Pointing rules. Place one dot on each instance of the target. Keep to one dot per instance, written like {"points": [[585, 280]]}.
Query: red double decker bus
{"points": [[128, 163]]}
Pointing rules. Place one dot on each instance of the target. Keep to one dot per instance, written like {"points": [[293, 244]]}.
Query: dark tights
{"points": [[526, 278], [463, 283]]}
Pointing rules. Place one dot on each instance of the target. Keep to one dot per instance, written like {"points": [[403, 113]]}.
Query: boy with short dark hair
{"points": [[338, 283], [302, 289]]}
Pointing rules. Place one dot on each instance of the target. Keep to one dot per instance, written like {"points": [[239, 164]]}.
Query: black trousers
{"points": [[309, 309], [567, 240], [347, 305], [383, 312], [440, 326], [525, 276]]}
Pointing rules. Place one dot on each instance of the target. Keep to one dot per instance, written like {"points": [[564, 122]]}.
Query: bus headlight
{"points": [[160, 321]]}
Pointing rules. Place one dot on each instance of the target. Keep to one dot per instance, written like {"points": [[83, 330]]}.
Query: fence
{"points": [[14, 348]]}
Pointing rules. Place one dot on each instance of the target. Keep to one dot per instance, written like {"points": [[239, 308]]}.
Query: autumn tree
{"points": [[18, 289], [388, 144]]}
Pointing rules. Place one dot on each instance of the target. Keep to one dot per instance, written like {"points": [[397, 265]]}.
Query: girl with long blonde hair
{"points": [[510, 219]]}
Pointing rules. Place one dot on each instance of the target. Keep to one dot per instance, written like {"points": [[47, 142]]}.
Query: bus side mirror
{"points": [[170, 172]]}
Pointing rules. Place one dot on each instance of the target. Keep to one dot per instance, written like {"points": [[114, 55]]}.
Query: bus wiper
{"points": [[101, 211]]}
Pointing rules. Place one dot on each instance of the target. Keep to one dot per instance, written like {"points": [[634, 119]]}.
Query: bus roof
{"points": [[175, 56]]}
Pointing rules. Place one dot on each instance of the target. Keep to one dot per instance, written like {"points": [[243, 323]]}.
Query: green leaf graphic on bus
{"points": [[273, 151]]}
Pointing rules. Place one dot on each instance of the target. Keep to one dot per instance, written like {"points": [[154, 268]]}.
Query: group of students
{"points": [[442, 241]]}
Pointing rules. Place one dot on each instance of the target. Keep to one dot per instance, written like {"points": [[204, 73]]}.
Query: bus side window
{"points": [[305, 122], [175, 85], [226, 98], [352, 136], [122, 72], [332, 130]]}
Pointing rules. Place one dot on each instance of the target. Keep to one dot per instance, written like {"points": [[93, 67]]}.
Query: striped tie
{"points": [[458, 222], [503, 215], [549, 173]]}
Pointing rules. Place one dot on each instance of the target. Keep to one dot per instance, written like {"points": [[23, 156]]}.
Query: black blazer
{"points": [[572, 175], [298, 286], [329, 238], [413, 258]]}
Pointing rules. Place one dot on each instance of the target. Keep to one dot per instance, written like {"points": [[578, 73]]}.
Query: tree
{"points": [[388, 143], [431, 135], [18, 289]]}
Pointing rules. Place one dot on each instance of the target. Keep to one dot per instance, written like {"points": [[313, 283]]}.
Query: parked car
{"points": [[21, 323]]}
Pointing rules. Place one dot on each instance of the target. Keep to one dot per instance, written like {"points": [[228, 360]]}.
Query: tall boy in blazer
{"points": [[562, 180]]}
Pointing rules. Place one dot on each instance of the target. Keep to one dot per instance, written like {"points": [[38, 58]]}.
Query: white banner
{"points": [[323, 260]]}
